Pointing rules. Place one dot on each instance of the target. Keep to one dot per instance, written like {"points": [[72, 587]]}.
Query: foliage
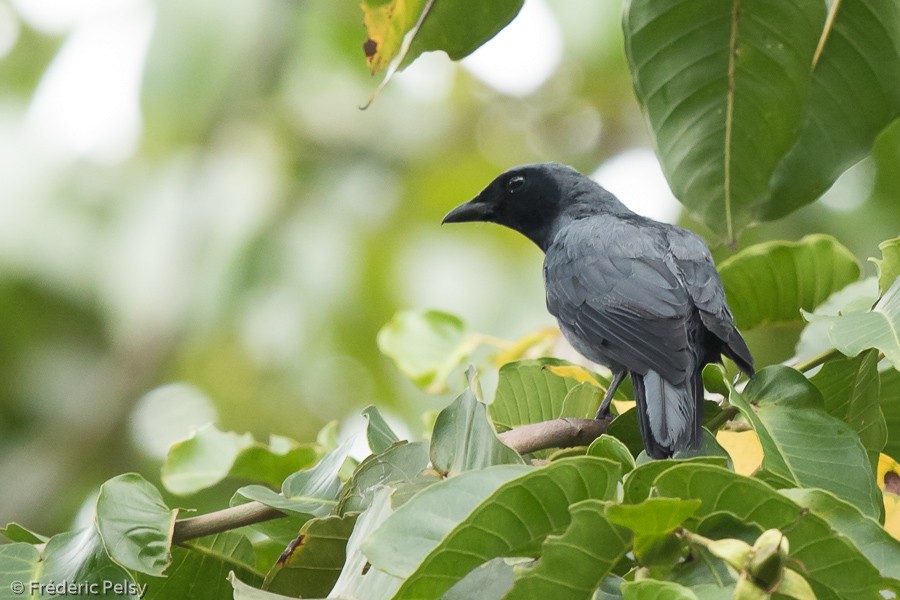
{"points": [[754, 112]]}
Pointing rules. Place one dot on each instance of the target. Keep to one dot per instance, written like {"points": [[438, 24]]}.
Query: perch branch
{"points": [[558, 433]]}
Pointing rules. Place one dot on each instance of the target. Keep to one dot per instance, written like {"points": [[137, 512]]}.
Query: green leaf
{"points": [[878, 328], [81, 557], [270, 538], [378, 433], [889, 263], [310, 566], [802, 443], [530, 391], [16, 533], [314, 491], [769, 283], [653, 515], [890, 405], [854, 95], [649, 589], [199, 568], [833, 566], [575, 562], [242, 591], [210, 455], [464, 439], [709, 75], [426, 346], [709, 446], [609, 447], [416, 528], [639, 483], [135, 524], [396, 467], [856, 297], [519, 514], [851, 392], [490, 581], [357, 580], [869, 537], [19, 563]]}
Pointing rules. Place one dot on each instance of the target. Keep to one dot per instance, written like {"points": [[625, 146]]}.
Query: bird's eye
{"points": [[515, 184]]}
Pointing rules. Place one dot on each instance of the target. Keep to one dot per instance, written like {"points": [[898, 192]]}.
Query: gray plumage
{"points": [[638, 296]]}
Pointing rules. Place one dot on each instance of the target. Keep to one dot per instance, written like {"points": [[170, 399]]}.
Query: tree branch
{"points": [[558, 433]]}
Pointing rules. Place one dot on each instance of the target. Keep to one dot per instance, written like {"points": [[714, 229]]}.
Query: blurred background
{"points": [[198, 223]]}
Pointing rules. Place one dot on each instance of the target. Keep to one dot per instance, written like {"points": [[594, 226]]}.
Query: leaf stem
{"points": [[818, 359], [728, 413]]}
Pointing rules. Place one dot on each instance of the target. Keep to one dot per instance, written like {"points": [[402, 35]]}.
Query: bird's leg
{"points": [[603, 411]]}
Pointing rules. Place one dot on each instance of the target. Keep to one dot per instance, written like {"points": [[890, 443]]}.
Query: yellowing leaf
{"points": [[579, 374], [387, 23], [744, 448], [522, 346]]}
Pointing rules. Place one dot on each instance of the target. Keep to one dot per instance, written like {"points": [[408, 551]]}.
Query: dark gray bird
{"points": [[638, 296]]}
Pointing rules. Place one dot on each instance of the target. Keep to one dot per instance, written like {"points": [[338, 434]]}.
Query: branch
{"points": [[223, 520], [558, 433]]}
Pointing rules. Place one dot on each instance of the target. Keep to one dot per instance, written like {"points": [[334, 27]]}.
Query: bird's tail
{"points": [[669, 415]]}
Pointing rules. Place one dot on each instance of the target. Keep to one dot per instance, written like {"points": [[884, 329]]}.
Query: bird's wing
{"points": [[695, 266], [608, 283]]}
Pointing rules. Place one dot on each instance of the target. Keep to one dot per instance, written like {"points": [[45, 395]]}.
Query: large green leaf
{"points": [[575, 562], [426, 346], [711, 76], [876, 544], [534, 390], [851, 392], [131, 530], [518, 515], [639, 483], [81, 557], [769, 283], [416, 528], [464, 439], [855, 94], [310, 566], [208, 560], [135, 524], [210, 455], [804, 445], [853, 332], [890, 405], [314, 491], [833, 566], [398, 466]]}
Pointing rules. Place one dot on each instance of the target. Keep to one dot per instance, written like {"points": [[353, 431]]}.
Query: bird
{"points": [[641, 297]]}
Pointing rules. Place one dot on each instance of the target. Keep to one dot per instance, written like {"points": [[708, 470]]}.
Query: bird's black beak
{"points": [[476, 209]]}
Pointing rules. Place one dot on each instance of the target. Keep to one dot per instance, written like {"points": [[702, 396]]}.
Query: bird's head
{"points": [[533, 199]]}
